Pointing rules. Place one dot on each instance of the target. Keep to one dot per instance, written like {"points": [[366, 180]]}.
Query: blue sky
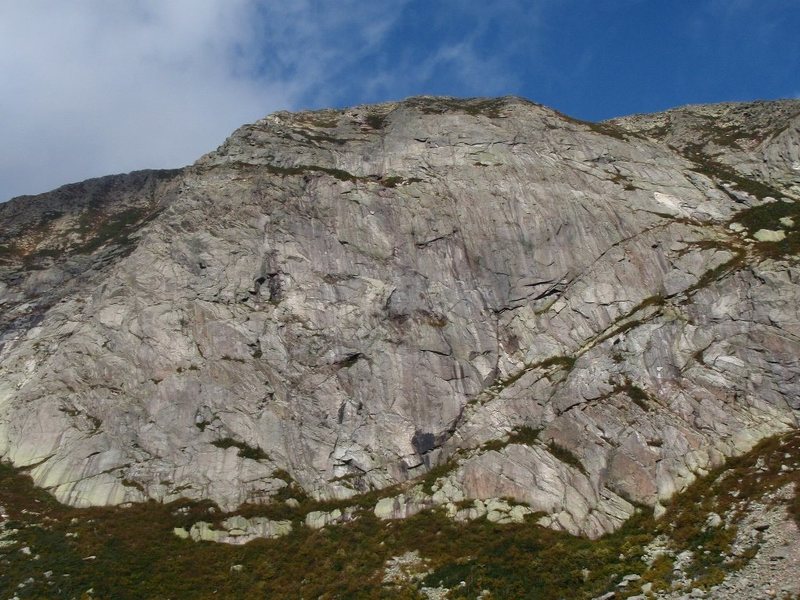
{"points": [[103, 86]]}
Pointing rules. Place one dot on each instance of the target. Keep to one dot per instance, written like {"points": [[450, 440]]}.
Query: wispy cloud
{"points": [[466, 49], [321, 51]]}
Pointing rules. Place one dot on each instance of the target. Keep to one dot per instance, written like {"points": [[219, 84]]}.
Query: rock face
{"points": [[755, 139], [355, 297]]}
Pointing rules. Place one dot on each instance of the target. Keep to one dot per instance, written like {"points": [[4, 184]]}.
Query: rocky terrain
{"points": [[578, 317], [732, 533]]}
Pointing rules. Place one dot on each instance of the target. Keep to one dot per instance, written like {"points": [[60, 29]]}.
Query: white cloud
{"points": [[98, 86], [92, 87], [326, 49]]}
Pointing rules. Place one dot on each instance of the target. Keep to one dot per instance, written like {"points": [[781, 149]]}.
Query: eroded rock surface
{"points": [[354, 297]]}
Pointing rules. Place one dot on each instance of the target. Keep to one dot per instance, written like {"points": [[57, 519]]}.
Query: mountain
{"points": [[437, 300]]}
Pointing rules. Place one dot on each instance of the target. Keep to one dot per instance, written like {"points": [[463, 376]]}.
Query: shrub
{"points": [[566, 456], [245, 451]]}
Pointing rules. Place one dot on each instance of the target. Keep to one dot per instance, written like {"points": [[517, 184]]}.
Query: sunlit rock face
{"points": [[347, 299]]}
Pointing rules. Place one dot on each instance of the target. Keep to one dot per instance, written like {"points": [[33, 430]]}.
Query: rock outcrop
{"points": [[350, 299], [235, 530]]}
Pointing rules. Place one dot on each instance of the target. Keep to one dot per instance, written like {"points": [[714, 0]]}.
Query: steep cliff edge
{"points": [[581, 317]]}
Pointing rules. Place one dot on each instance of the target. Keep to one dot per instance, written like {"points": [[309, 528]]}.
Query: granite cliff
{"points": [[484, 294]]}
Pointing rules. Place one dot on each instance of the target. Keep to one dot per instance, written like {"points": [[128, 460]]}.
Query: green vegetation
{"points": [[562, 362], [487, 108], [436, 320], [304, 169], [763, 216], [718, 272], [727, 490], [565, 363], [392, 181], [300, 504], [133, 484], [442, 470], [230, 358], [624, 181], [321, 119], [603, 128], [494, 445], [135, 554], [636, 394], [98, 230], [629, 323], [245, 451], [389, 182], [610, 130], [705, 165], [524, 435], [768, 216], [395, 180], [728, 136], [565, 455], [491, 108], [376, 120], [321, 137], [95, 228]]}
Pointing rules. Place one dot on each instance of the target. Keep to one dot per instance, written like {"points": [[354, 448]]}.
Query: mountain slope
{"points": [[581, 317]]}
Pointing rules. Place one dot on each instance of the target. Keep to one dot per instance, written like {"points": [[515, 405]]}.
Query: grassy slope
{"points": [[135, 554]]}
